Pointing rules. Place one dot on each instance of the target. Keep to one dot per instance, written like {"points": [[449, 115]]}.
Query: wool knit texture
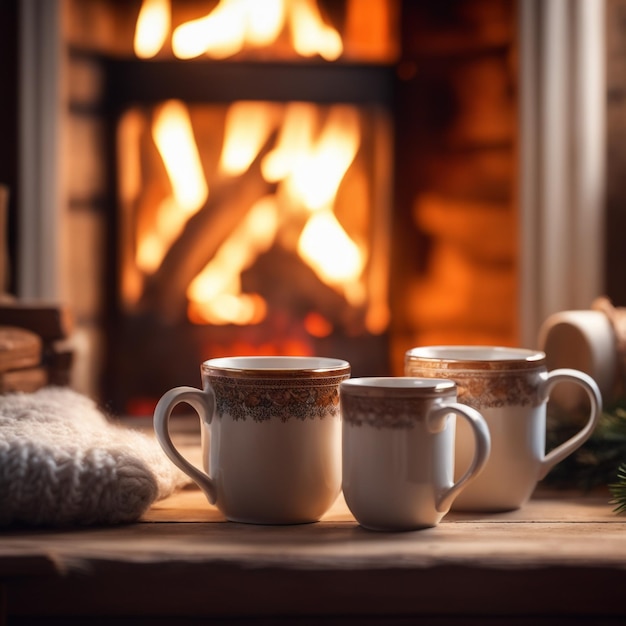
{"points": [[63, 462]]}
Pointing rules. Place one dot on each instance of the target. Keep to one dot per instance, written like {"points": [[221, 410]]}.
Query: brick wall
{"points": [[455, 239]]}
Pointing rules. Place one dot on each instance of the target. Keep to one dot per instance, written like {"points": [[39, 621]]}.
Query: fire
{"points": [[234, 25], [310, 35], [215, 295], [312, 170], [318, 172], [174, 139], [246, 129], [308, 162], [330, 252], [153, 25], [307, 152]]}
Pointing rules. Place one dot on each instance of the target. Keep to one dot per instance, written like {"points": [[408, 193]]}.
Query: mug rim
{"points": [[276, 366], [477, 356], [398, 386]]}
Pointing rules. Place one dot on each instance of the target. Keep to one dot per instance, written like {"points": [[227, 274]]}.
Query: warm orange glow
{"points": [[328, 249], [215, 294], [154, 242], [219, 34], [313, 150], [294, 140], [152, 28], [316, 176], [229, 27], [265, 20], [235, 24], [130, 181], [246, 129], [309, 34], [174, 138], [317, 325]]}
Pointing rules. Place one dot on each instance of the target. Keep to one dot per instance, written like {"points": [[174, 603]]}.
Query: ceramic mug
{"points": [[398, 450], [584, 340], [271, 436], [510, 387]]}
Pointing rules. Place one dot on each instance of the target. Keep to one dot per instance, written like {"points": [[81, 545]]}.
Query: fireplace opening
{"points": [[253, 227], [252, 217], [349, 191]]}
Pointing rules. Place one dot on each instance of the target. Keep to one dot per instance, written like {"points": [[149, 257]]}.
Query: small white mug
{"points": [[510, 387], [271, 436], [398, 450]]}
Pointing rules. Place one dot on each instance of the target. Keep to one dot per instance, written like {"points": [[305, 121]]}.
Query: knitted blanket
{"points": [[62, 462]]}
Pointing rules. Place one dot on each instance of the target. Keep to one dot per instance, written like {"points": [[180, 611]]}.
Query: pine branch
{"points": [[618, 490], [597, 462]]}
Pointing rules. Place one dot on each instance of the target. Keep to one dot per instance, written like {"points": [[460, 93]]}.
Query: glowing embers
{"points": [[233, 214]]}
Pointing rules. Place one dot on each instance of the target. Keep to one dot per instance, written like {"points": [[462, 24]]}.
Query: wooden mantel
{"points": [[562, 558]]}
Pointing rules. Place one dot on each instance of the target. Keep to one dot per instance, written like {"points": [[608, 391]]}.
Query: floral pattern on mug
{"points": [[262, 400], [488, 388], [380, 412]]}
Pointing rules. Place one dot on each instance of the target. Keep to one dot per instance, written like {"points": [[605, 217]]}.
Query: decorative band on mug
{"points": [[366, 401], [262, 400]]}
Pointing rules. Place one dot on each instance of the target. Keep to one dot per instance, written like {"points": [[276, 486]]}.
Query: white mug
{"points": [[271, 436], [510, 387], [398, 450]]}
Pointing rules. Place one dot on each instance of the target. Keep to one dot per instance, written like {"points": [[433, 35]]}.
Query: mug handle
{"points": [[482, 439], [595, 398], [202, 402]]}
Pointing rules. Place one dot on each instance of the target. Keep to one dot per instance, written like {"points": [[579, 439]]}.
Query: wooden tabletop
{"points": [[562, 556]]}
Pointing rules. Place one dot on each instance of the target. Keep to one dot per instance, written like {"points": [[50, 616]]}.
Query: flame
{"points": [[331, 253], [308, 163], [219, 34], [246, 129], [316, 176], [294, 140], [312, 169], [229, 27], [234, 24], [309, 34], [152, 28], [174, 139], [215, 294]]}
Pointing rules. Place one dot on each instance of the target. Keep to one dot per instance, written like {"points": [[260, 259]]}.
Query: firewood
{"points": [[295, 287], [229, 201]]}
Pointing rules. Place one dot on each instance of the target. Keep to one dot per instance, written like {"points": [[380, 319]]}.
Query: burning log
{"points": [[228, 203], [289, 284]]}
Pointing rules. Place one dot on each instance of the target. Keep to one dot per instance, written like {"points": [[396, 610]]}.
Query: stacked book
{"points": [[33, 348]]}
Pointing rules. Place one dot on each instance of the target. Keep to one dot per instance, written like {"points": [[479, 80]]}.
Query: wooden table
{"points": [[562, 558]]}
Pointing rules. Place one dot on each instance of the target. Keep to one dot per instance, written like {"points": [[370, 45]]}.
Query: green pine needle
{"points": [[618, 491]]}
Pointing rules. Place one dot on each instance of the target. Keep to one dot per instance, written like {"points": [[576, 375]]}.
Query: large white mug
{"points": [[398, 450], [271, 436], [510, 387]]}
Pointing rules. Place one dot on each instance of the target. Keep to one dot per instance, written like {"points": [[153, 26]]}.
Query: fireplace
{"points": [[421, 195], [253, 218], [273, 199]]}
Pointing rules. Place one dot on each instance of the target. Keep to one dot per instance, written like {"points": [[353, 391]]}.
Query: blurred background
{"points": [[347, 178]]}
